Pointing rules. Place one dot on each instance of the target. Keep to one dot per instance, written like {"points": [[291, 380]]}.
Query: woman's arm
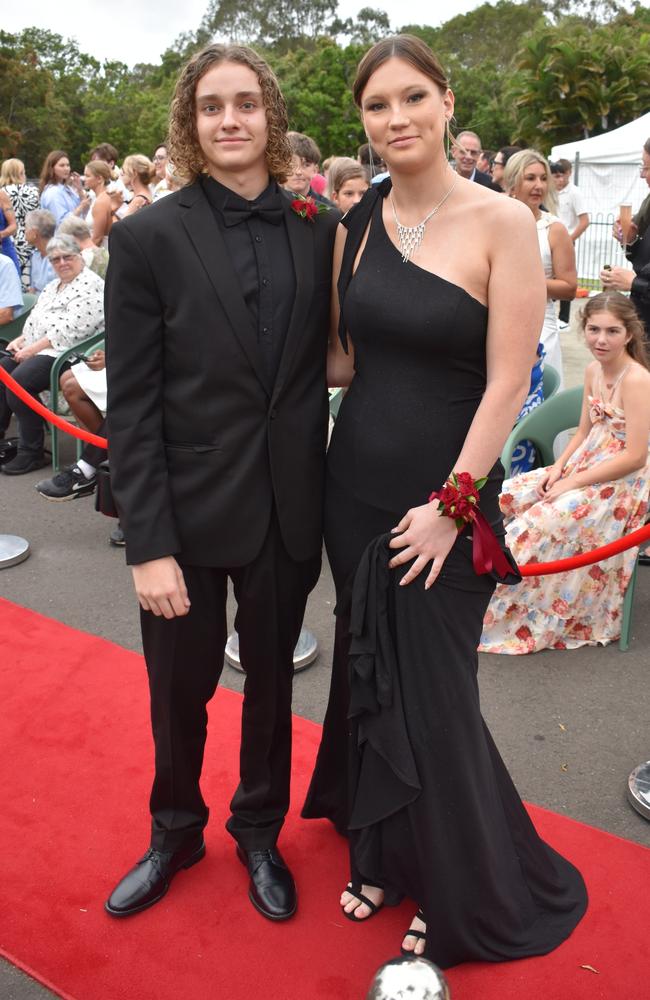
{"points": [[517, 301], [340, 366], [564, 282], [23, 353], [554, 471], [7, 208], [102, 219]]}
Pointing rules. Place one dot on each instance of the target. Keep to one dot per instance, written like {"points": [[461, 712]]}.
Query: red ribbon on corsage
{"points": [[459, 499]]}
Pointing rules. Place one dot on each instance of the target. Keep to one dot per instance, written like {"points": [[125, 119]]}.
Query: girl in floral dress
{"points": [[593, 494]]}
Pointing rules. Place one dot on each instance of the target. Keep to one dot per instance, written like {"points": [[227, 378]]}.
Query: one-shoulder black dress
{"points": [[407, 767]]}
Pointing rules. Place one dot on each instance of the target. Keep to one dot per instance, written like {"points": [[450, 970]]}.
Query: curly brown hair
{"points": [[183, 146]]}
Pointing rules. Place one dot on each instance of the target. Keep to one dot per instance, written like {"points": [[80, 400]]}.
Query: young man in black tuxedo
{"points": [[217, 311]]}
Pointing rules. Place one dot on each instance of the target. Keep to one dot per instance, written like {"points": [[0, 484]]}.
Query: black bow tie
{"points": [[268, 208]]}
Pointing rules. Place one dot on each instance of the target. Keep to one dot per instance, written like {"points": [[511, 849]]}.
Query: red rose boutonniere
{"points": [[307, 208]]}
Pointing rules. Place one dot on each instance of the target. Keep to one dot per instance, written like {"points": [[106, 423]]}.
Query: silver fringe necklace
{"points": [[410, 237]]}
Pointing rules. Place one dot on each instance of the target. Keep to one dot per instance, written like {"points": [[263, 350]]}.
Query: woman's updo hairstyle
{"points": [[407, 47], [140, 166], [98, 168]]}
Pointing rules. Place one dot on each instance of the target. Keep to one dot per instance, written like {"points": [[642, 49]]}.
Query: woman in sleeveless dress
{"points": [[595, 493], [440, 327], [24, 199], [526, 178], [137, 173]]}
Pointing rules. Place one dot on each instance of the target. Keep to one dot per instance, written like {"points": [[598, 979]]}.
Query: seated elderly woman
{"points": [[96, 258], [67, 311], [40, 226]]}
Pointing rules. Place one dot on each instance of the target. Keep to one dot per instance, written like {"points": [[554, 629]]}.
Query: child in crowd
{"points": [[347, 182], [596, 492]]}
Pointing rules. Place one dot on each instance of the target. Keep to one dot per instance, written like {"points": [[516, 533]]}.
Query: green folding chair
{"points": [[95, 340], [541, 426], [11, 330], [551, 381]]}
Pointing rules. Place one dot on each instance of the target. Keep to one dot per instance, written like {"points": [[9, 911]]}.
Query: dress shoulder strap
{"points": [[616, 383], [356, 222]]}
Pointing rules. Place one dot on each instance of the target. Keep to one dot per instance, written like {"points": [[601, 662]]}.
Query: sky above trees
{"points": [[140, 32]]}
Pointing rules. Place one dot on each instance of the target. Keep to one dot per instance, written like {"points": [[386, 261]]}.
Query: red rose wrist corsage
{"points": [[459, 499]]}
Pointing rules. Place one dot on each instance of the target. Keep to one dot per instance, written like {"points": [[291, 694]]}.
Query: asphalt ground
{"points": [[570, 725]]}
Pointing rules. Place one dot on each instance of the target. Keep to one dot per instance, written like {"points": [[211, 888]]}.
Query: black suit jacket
{"points": [[200, 445], [486, 181]]}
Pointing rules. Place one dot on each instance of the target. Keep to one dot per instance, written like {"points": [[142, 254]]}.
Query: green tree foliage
{"points": [[538, 71], [316, 85], [575, 79]]}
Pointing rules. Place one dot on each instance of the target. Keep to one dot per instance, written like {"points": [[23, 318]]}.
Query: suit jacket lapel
{"points": [[301, 241], [204, 233]]}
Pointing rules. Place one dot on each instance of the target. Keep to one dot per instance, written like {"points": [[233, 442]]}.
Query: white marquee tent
{"points": [[607, 166], [606, 169]]}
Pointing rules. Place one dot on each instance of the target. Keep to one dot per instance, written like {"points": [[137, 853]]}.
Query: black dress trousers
{"points": [[184, 658]]}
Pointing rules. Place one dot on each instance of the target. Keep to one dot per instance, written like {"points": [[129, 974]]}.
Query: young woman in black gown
{"points": [[438, 365]]}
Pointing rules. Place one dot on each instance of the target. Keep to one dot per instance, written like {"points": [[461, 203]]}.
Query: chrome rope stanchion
{"points": [[13, 550], [409, 979], [305, 652], [638, 789]]}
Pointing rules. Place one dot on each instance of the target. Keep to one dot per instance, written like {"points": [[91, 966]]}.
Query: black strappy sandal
{"points": [[373, 907], [418, 935]]}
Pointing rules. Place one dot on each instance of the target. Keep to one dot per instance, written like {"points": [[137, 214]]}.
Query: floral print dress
{"points": [[582, 606]]}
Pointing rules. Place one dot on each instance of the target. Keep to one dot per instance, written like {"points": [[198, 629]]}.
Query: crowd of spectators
{"points": [[81, 209]]}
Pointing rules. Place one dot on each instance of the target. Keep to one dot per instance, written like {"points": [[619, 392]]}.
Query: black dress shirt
{"points": [[261, 255]]}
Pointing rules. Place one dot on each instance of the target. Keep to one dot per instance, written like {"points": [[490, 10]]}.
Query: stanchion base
{"points": [[638, 789], [305, 652], [13, 550]]}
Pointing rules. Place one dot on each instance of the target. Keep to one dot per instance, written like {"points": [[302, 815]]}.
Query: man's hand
{"points": [[161, 588]]}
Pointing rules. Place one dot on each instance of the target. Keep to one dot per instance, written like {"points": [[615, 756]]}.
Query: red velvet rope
{"points": [[587, 558], [531, 569], [52, 418]]}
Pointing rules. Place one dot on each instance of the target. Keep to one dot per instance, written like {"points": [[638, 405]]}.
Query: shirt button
{"points": [[265, 281], [273, 414], [265, 329], [258, 239]]}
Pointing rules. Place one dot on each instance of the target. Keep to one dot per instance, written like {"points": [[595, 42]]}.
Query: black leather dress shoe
{"points": [[271, 890], [150, 879]]}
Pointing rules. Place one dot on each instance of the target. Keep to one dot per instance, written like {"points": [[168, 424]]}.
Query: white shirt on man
{"points": [[571, 205]]}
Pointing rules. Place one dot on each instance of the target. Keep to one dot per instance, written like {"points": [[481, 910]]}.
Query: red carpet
{"points": [[76, 759]]}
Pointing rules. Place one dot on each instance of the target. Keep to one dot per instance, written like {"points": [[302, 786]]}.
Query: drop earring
{"points": [[447, 137], [372, 162]]}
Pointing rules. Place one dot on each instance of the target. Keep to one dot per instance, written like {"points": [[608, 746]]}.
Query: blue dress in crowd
{"points": [[7, 244]]}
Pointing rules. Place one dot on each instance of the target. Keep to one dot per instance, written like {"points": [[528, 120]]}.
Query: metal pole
{"points": [[305, 652]]}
